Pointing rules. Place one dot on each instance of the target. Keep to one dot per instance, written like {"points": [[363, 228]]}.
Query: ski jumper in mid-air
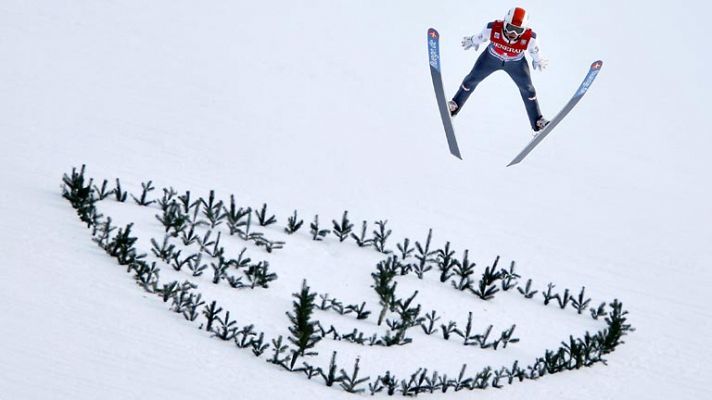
{"points": [[509, 39]]}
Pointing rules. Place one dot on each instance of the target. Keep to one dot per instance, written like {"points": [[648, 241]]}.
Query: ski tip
{"points": [[433, 33], [597, 64]]}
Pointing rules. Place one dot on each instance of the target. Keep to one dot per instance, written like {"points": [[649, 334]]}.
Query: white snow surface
{"points": [[327, 105]]}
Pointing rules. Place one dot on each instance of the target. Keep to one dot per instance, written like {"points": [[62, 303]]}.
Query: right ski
{"points": [[583, 88], [434, 53]]}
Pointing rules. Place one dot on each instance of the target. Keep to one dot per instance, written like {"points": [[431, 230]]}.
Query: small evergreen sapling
{"points": [[102, 191], [361, 240], [599, 312], [293, 223], [581, 302], [325, 304], [617, 327], [220, 269], [449, 329], [482, 339], [243, 337], [191, 308], [487, 287], [258, 345], [173, 220], [226, 328], [463, 270], [190, 236], [102, 233], [375, 386], [507, 337], [196, 266], [342, 229], [168, 291], [146, 275], [548, 295], [482, 379], [428, 324], [122, 248], [187, 205], [461, 382], [279, 348], [177, 263], [414, 385], [211, 313], [213, 210], [408, 318], [470, 339], [259, 275], [390, 382], [263, 218], [564, 300], [351, 382], [168, 199], [163, 251], [317, 233], [329, 376], [309, 370], [242, 260], [384, 285], [380, 237], [146, 188], [359, 310], [269, 245], [446, 261], [527, 291], [303, 327], [205, 243], [120, 194], [509, 277], [80, 195], [405, 249], [424, 256], [236, 217]]}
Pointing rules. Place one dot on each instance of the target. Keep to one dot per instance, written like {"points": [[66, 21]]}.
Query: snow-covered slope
{"points": [[323, 106]]}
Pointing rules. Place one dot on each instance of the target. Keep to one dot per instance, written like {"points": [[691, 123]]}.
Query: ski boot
{"points": [[541, 123], [453, 107]]}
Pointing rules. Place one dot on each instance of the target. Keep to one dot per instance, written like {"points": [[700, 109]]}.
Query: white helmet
{"points": [[516, 21]]}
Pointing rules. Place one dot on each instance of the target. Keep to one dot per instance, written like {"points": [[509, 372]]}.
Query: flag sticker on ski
{"points": [[435, 73], [593, 72], [434, 46], [582, 89]]}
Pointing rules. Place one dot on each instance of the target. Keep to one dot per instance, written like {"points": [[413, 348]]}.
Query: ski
{"points": [[435, 73], [592, 73]]}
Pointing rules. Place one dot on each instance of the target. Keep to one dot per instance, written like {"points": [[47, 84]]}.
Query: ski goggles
{"points": [[509, 28]]}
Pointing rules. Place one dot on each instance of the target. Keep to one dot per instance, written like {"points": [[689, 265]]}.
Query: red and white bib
{"points": [[502, 48]]}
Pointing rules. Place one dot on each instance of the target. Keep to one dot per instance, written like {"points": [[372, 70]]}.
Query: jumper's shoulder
{"points": [[533, 35]]}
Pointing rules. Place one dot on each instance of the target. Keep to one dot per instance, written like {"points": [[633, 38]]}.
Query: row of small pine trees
{"points": [[307, 332]]}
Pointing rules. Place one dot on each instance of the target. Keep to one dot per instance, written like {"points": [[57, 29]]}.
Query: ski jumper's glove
{"points": [[474, 41], [540, 64], [470, 42], [538, 60]]}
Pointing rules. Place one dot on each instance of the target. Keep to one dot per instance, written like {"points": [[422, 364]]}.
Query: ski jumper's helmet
{"points": [[516, 22]]}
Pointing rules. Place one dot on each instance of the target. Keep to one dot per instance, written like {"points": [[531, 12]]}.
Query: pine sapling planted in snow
{"points": [[342, 229]]}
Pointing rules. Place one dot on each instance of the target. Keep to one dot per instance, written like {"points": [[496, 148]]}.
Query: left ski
{"points": [[435, 73], [592, 73]]}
